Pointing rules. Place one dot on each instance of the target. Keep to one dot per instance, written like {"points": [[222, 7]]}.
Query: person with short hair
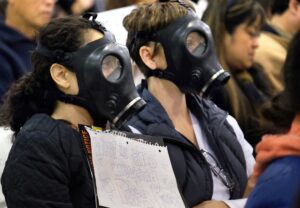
{"points": [[18, 28], [174, 49], [275, 38]]}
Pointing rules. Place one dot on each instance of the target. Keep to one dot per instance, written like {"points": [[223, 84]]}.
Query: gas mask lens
{"points": [[111, 68], [196, 43]]}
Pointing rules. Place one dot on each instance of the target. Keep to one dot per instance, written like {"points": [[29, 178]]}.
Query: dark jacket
{"points": [[278, 186], [47, 167], [192, 172], [15, 59]]}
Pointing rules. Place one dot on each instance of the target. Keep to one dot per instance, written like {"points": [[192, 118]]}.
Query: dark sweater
{"points": [[15, 60], [47, 167]]}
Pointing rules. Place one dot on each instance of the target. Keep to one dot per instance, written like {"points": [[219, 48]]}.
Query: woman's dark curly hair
{"points": [[284, 107], [35, 92]]}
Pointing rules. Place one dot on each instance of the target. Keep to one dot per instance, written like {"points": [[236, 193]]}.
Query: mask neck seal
{"points": [[78, 101], [129, 110]]}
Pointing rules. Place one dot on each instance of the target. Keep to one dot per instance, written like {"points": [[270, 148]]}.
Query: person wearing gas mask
{"points": [[80, 76], [174, 49]]}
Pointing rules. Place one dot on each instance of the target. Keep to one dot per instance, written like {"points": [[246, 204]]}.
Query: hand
{"points": [[273, 147], [212, 204]]}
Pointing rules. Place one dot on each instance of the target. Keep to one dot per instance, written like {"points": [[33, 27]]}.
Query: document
{"points": [[132, 173]]}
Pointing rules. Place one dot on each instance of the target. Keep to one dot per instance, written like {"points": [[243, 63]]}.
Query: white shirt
{"points": [[5, 145], [220, 191]]}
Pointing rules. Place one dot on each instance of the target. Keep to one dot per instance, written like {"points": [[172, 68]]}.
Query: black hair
{"points": [[36, 92], [238, 12], [279, 6], [226, 15], [3, 5], [283, 108], [66, 5]]}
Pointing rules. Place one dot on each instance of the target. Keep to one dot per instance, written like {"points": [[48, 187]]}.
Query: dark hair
{"points": [[284, 107], [280, 6], [227, 15], [66, 5], [147, 18], [266, 4], [36, 92], [3, 5]]}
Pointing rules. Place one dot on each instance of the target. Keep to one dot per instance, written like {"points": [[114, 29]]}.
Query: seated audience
{"points": [[277, 167], [18, 28], [275, 37]]}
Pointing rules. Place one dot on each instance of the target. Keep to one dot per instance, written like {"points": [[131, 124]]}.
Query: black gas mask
{"points": [[190, 55], [104, 76]]}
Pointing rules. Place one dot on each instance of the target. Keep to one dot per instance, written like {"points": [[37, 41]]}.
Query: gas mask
{"points": [[104, 76], [191, 59]]}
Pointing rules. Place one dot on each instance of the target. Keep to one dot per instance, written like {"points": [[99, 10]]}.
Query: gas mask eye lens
{"points": [[196, 43], [111, 68]]}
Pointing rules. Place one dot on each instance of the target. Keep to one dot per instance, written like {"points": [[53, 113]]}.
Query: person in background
{"points": [[72, 7], [206, 146], [277, 167], [123, 3], [3, 4], [18, 28], [75, 68], [274, 40], [236, 26], [99, 6], [267, 6]]}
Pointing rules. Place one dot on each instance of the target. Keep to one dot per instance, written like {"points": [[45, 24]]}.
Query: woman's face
{"points": [[240, 46], [32, 13]]}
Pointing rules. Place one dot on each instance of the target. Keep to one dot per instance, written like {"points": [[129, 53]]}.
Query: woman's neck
{"points": [[72, 113], [174, 103], [284, 23], [169, 96]]}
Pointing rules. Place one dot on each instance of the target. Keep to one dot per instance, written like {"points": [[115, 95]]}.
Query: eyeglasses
{"points": [[217, 169]]}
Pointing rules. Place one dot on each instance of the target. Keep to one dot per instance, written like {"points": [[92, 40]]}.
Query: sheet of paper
{"points": [[131, 174]]}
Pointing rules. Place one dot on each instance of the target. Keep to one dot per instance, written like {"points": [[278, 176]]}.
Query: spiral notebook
{"points": [[132, 172]]}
